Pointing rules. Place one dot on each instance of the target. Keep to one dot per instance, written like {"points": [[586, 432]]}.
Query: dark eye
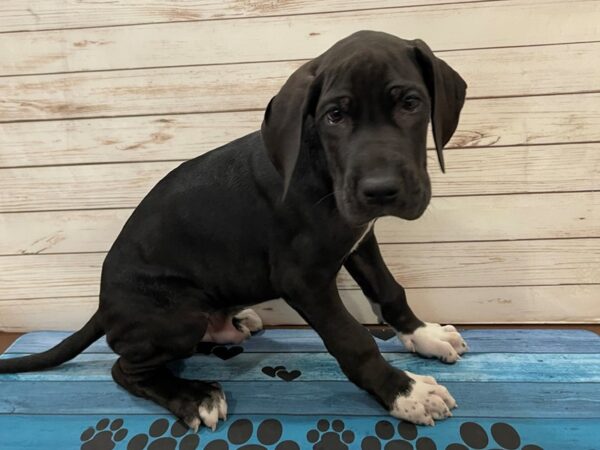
{"points": [[410, 103], [335, 115]]}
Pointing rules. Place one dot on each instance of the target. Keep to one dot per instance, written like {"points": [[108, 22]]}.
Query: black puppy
{"points": [[276, 214]]}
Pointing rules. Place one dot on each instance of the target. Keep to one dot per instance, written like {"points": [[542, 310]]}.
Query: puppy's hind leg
{"points": [[195, 402], [142, 369]]}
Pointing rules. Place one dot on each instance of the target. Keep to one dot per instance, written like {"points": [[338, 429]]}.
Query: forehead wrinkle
{"points": [[372, 58], [365, 71], [355, 78], [355, 68]]}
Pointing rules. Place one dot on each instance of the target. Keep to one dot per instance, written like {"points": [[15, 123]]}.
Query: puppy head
{"points": [[371, 97]]}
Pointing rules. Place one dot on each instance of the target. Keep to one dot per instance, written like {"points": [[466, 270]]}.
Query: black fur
{"points": [[276, 214]]}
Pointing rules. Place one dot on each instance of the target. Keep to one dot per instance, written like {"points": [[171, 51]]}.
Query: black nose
{"points": [[379, 190]]}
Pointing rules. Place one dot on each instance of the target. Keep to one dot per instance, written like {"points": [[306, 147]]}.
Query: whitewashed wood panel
{"points": [[504, 263], [463, 264], [524, 141], [484, 122], [59, 14], [514, 304], [124, 139], [573, 167], [540, 216], [490, 73], [444, 27], [76, 187], [46, 314], [60, 231], [523, 304], [533, 216]]}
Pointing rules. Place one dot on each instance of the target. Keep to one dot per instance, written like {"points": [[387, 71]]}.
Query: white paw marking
{"points": [[426, 402], [222, 407], [210, 411], [249, 321], [194, 424], [435, 341], [360, 239]]}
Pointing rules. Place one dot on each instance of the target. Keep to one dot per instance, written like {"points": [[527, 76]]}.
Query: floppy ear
{"points": [[284, 119], [447, 91]]}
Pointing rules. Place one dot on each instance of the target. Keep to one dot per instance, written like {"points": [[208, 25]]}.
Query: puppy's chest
{"points": [[331, 245], [362, 237]]}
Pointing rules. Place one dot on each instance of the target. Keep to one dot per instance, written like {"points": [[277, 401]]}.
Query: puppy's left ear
{"points": [[284, 119], [447, 91]]}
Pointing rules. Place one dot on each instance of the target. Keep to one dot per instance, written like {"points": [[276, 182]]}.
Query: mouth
{"points": [[358, 213]]}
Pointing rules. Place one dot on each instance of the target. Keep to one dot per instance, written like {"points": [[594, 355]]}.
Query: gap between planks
{"points": [[237, 13], [6, 339]]}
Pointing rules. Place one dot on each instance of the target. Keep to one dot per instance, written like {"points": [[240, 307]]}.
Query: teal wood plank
{"points": [[283, 340], [65, 432], [510, 400], [478, 367]]}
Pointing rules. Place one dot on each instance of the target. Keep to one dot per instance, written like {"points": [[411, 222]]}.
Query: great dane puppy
{"points": [[277, 213]]}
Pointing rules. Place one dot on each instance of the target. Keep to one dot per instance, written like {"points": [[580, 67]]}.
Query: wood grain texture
{"points": [[175, 79], [517, 339], [124, 139], [504, 263], [480, 368], [489, 73], [519, 400], [470, 171], [489, 305], [44, 14], [481, 25], [548, 398], [491, 263], [446, 219], [47, 314], [464, 305], [485, 122]]}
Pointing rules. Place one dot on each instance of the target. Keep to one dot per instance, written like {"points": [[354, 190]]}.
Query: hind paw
{"points": [[210, 410], [247, 321]]}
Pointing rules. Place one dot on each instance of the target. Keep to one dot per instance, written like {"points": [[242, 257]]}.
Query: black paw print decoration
{"points": [[402, 437], [104, 436], [159, 437], [503, 436], [241, 432], [334, 437]]}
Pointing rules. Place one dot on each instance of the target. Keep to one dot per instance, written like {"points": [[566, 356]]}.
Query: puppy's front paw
{"points": [[434, 340], [425, 402]]}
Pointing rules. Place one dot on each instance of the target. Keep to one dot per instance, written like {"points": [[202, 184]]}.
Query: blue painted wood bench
{"points": [[516, 389]]}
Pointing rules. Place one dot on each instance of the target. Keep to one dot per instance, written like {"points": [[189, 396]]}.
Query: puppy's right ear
{"points": [[284, 119], [447, 90]]}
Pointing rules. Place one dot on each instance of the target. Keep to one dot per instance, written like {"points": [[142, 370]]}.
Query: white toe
{"points": [[433, 340], [194, 424], [442, 392], [222, 407], [213, 409], [209, 416], [424, 403], [424, 378]]}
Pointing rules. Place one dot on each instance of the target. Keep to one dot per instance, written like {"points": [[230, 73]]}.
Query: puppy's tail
{"points": [[64, 351]]}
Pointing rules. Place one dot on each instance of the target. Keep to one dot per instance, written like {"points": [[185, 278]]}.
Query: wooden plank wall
{"points": [[98, 100]]}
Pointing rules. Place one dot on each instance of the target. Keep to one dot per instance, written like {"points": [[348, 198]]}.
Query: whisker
{"points": [[325, 196]]}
